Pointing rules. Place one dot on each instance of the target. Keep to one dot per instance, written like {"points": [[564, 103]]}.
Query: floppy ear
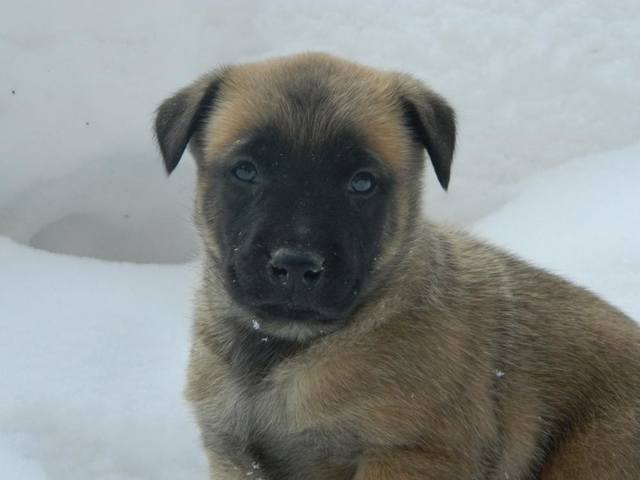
{"points": [[432, 123], [181, 116]]}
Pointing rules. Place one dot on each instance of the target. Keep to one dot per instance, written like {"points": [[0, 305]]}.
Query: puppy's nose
{"points": [[293, 267]]}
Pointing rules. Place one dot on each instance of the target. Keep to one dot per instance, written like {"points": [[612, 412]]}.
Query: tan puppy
{"points": [[340, 336]]}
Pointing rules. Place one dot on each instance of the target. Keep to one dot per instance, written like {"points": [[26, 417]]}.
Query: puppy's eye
{"points": [[245, 171], [363, 183]]}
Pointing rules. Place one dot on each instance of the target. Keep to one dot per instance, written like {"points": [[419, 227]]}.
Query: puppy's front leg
{"points": [[400, 464]]}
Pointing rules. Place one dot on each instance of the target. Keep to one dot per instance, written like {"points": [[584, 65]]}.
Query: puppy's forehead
{"points": [[310, 99]]}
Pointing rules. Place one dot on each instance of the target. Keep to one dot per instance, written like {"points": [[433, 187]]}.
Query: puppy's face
{"points": [[298, 226], [308, 181]]}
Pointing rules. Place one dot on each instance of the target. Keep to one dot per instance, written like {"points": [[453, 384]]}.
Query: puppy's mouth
{"points": [[289, 312]]}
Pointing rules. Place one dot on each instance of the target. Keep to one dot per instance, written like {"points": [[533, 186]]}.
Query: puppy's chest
{"points": [[285, 454], [263, 416]]}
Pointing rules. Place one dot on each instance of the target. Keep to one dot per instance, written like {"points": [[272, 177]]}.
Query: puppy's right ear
{"points": [[180, 117]]}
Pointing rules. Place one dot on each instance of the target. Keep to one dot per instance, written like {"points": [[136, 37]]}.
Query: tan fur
{"points": [[357, 94], [461, 365]]}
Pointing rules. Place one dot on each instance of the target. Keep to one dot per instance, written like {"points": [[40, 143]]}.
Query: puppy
{"points": [[339, 335]]}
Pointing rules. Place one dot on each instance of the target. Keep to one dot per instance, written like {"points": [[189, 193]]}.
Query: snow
{"points": [[97, 251], [93, 357]]}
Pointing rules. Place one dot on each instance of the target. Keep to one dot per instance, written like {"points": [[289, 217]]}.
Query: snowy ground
{"points": [[93, 337]]}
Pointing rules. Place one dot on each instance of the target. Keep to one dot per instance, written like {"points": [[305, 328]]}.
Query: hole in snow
{"points": [[135, 214], [112, 237]]}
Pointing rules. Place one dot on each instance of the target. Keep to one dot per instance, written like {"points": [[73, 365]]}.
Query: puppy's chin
{"points": [[292, 313], [290, 322]]}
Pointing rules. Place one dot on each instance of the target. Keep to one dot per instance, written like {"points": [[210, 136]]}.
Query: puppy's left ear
{"points": [[432, 123], [182, 116]]}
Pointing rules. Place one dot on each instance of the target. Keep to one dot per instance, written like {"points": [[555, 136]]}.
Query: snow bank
{"points": [[534, 84]]}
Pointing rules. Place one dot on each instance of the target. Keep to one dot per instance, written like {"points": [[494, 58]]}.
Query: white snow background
{"points": [[97, 253]]}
